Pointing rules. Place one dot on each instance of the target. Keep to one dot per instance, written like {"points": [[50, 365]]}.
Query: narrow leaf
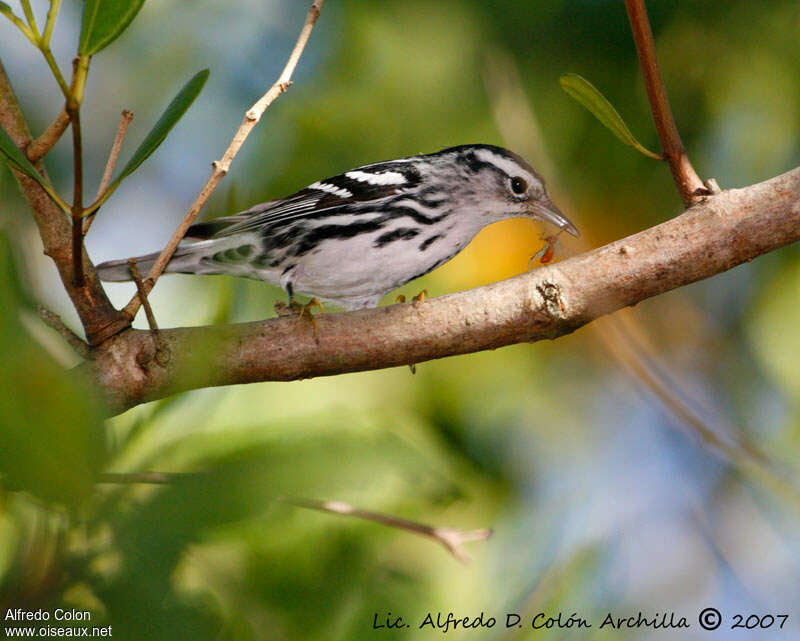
{"points": [[17, 159], [587, 94], [158, 133], [103, 21]]}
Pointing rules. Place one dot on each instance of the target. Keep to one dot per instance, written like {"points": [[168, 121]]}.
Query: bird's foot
{"points": [[417, 300], [298, 309]]}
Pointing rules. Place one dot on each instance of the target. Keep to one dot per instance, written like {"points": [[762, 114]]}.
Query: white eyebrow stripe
{"points": [[383, 178], [506, 165], [331, 189]]}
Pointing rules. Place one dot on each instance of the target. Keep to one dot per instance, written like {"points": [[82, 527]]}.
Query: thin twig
{"points": [[53, 320], [8, 13], [26, 8], [148, 311], [162, 352], [122, 129], [52, 14], [686, 179], [221, 167], [731, 448], [44, 143], [55, 69], [451, 538], [155, 478]]}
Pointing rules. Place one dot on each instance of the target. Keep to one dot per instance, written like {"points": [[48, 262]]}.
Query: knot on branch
{"points": [[152, 352], [145, 354], [552, 302]]}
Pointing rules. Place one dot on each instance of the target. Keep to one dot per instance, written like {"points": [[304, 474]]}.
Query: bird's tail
{"points": [[185, 260]]}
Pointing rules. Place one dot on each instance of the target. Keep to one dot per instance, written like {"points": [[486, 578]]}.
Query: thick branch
{"points": [[688, 182], [715, 235], [97, 315]]}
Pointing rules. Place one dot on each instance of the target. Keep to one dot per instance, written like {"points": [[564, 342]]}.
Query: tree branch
{"points": [[80, 68], [162, 353], [44, 143], [77, 197], [113, 156], [98, 316], [728, 444], [221, 167], [53, 320], [686, 179], [715, 235], [451, 538]]}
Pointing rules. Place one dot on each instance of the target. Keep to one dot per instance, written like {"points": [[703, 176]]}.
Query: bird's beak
{"points": [[547, 211]]}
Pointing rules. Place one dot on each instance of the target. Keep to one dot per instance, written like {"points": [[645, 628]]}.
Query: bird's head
{"points": [[505, 186]]}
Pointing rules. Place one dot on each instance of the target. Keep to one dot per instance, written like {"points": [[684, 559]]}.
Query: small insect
{"points": [[547, 252]]}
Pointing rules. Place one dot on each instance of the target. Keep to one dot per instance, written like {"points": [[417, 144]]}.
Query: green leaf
{"points": [[103, 21], [158, 133], [587, 94], [17, 159]]}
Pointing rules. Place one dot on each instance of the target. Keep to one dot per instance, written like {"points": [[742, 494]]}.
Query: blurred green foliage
{"points": [[597, 501], [51, 432]]}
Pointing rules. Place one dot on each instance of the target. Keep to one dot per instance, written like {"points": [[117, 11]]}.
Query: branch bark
{"points": [[716, 234]]}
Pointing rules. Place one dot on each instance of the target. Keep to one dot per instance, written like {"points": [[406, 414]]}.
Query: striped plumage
{"points": [[352, 238]]}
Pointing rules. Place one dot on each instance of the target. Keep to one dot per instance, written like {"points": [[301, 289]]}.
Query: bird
{"points": [[351, 239]]}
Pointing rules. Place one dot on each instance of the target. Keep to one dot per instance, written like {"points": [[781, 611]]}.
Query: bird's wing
{"points": [[372, 183]]}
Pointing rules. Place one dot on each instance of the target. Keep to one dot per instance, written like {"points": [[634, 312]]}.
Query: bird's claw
{"points": [[300, 310], [417, 300]]}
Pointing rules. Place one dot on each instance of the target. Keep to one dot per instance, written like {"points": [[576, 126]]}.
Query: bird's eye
{"points": [[518, 185]]}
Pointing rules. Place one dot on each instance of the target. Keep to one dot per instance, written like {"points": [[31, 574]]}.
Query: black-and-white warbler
{"points": [[352, 238]]}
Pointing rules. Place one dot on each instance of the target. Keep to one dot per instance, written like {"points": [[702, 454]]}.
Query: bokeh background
{"points": [[587, 455]]}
